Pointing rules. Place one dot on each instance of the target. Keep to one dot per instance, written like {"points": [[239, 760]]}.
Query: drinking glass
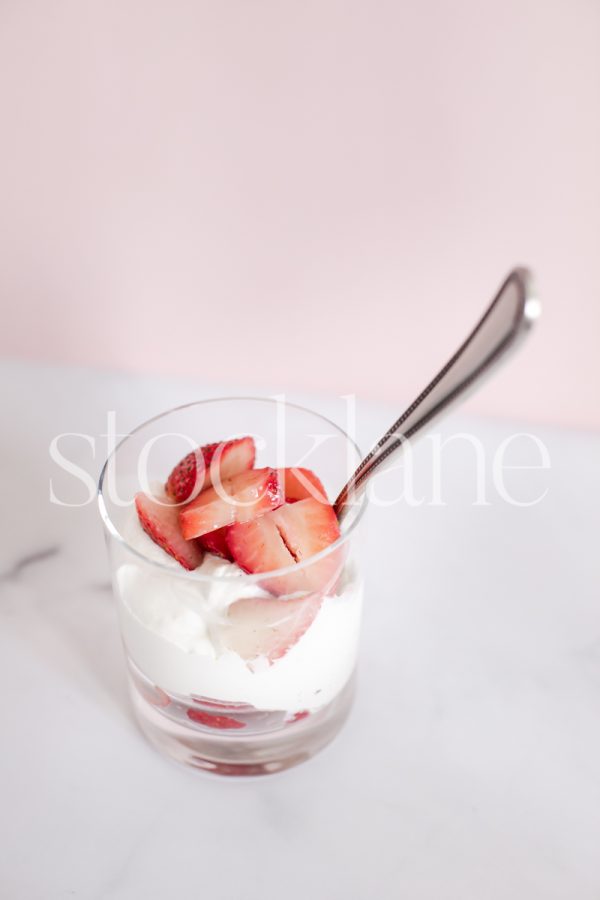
{"points": [[230, 672]]}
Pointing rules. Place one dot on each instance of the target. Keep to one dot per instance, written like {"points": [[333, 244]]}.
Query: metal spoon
{"points": [[506, 321]]}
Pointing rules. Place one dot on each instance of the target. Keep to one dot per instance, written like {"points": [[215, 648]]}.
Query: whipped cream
{"points": [[173, 630]]}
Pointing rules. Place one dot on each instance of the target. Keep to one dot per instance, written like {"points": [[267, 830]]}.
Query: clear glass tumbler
{"points": [[235, 673]]}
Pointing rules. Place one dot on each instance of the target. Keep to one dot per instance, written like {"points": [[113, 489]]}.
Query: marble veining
{"points": [[27, 560]]}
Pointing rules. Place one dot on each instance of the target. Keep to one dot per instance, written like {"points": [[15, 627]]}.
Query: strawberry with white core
{"points": [[239, 499], [286, 537], [213, 462], [160, 520]]}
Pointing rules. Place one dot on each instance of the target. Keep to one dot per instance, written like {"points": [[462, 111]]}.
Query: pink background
{"points": [[311, 195]]}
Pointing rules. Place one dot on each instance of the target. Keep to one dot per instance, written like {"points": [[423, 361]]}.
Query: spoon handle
{"points": [[505, 322]]}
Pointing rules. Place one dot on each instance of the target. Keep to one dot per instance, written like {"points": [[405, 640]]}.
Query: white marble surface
{"points": [[470, 767]]}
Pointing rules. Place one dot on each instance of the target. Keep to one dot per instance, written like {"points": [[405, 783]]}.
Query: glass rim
{"points": [[248, 578]]}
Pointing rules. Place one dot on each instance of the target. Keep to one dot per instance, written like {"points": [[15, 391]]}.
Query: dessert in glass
{"points": [[239, 595]]}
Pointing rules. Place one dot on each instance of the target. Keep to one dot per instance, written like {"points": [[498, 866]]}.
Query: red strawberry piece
{"points": [[287, 536], [200, 468], [300, 484], [257, 546], [212, 720], [238, 499], [216, 542], [161, 522], [153, 694], [307, 527], [303, 714], [268, 626]]}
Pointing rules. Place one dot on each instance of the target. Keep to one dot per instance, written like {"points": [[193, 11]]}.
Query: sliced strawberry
{"points": [[216, 542], [225, 458], [287, 536], [150, 692], [300, 484], [307, 527], [182, 480], [257, 546], [154, 695], [239, 499], [268, 626], [161, 522], [213, 721]]}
